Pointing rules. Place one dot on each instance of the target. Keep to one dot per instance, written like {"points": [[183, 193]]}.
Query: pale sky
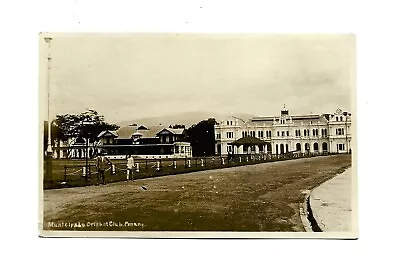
{"points": [[132, 76]]}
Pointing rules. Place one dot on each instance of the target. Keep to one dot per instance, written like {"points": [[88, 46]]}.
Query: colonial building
{"points": [[141, 141], [314, 133]]}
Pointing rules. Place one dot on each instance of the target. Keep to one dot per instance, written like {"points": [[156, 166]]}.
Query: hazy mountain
{"points": [[188, 119]]}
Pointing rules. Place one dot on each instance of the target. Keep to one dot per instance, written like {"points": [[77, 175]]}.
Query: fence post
{"points": [[112, 169], [247, 158], [83, 171], [146, 163], [65, 172], [202, 162], [158, 166], [137, 167], [174, 163], [222, 161], [127, 174], [240, 159], [188, 163]]}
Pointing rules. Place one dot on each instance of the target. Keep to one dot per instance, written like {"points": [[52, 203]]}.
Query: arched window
{"points": [[315, 147], [305, 132], [298, 147]]}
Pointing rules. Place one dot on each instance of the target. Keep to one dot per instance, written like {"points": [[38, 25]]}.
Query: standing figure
{"points": [[102, 164], [129, 167]]}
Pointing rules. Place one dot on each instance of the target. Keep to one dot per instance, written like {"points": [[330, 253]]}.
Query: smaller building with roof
{"points": [[146, 142]]}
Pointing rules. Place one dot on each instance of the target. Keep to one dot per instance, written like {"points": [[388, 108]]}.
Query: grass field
{"points": [[68, 173], [261, 197]]}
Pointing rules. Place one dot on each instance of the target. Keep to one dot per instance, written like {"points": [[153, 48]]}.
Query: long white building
{"points": [[314, 133]]}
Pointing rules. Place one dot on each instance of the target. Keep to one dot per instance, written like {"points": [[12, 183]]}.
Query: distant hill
{"points": [[187, 118]]}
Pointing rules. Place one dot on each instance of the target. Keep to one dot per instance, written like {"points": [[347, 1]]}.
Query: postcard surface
{"points": [[198, 135]]}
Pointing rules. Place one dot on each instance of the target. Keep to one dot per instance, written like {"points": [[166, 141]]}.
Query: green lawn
{"points": [[68, 173], [261, 197]]}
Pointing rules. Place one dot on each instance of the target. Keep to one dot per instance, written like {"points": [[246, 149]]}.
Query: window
{"points": [[227, 122], [229, 148], [305, 132], [313, 132], [218, 135], [229, 134], [277, 133], [287, 133], [283, 133], [308, 133], [340, 147], [340, 131], [337, 119], [316, 132], [341, 118], [231, 123]]}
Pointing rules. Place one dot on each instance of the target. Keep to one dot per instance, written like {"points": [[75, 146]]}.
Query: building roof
{"points": [[126, 132], [114, 133], [151, 132], [248, 141]]}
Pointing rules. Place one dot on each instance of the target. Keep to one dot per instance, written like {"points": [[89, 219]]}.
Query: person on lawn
{"points": [[102, 164], [129, 167]]}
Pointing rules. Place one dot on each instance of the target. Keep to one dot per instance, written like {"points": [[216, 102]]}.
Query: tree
{"points": [[73, 126], [202, 138], [178, 126]]}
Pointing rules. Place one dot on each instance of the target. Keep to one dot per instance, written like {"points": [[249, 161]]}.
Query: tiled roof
{"points": [[126, 132], [151, 132], [104, 132], [176, 131]]}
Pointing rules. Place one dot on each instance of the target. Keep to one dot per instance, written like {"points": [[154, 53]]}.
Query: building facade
{"points": [[286, 133], [139, 141]]}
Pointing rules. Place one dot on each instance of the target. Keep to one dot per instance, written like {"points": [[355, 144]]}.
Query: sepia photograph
{"points": [[191, 135]]}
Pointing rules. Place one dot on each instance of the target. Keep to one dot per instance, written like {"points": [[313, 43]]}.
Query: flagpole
{"points": [[49, 148]]}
